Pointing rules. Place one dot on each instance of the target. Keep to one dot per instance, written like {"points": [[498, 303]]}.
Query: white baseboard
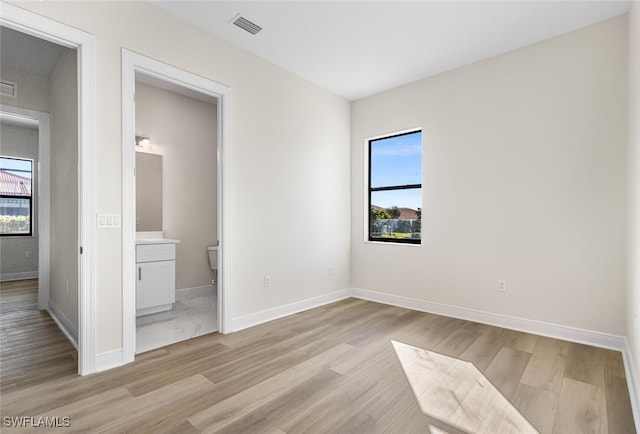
{"points": [[557, 331], [289, 309], [114, 358], [109, 360], [196, 291], [632, 377], [6, 277], [573, 334], [64, 324], [154, 309]]}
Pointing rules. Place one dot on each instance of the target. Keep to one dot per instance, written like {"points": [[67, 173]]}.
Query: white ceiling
{"points": [[22, 52], [360, 48]]}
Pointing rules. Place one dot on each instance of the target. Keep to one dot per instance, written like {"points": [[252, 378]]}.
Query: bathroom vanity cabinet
{"points": [[155, 276]]}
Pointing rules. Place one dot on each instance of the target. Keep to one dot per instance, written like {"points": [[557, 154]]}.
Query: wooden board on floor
{"points": [[330, 369]]}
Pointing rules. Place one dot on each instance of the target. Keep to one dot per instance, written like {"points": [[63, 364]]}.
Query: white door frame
{"points": [[132, 63], [43, 207], [44, 28]]}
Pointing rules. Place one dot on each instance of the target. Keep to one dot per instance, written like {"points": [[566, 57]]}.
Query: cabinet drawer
{"points": [[155, 252]]}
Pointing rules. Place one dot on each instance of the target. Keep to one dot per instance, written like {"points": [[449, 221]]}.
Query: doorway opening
{"points": [[26, 134], [182, 257], [77, 128], [176, 213]]}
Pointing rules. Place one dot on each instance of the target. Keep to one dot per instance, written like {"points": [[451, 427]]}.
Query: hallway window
{"points": [[395, 188], [16, 202]]}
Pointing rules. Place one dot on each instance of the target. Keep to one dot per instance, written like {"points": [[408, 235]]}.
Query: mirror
{"points": [[148, 192]]}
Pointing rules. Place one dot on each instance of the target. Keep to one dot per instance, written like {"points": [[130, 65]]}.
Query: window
{"points": [[16, 204], [395, 188]]}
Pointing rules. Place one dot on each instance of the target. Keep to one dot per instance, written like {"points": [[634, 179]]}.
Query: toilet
{"points": [[213, 257]]}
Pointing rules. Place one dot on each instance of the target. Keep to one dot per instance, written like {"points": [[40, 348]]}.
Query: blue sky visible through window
{"points": [[16, 166], [397, 161]]}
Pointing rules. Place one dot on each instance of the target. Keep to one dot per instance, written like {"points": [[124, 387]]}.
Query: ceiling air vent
{"points": [[8, 89], [247, 25]]}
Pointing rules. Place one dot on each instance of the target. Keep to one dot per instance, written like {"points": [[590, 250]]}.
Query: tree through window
{"points": [[395, 188]]}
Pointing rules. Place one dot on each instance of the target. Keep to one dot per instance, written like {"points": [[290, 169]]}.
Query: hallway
{"points": [[32, 348]]}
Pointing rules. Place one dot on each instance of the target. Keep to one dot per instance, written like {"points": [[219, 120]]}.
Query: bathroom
{"points": [[176, 203]]}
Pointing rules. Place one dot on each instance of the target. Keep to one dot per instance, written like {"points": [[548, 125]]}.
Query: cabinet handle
{"points": [[139, 273]]}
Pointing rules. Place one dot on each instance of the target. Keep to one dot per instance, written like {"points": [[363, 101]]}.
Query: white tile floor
{"points": [[193, 314]]}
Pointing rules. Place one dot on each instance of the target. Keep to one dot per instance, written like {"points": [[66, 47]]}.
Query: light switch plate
{"points": [[109, 221]]}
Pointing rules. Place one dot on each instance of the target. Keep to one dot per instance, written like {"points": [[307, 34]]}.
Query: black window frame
{"points": [[370, 190], [29, 197]]}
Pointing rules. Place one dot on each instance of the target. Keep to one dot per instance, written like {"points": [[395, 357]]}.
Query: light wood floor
{"points": [[330, 369], [32, 348]]}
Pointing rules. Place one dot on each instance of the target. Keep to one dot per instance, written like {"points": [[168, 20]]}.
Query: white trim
{"points": [[44, 28], [132, 63], [18, 120], [154, 309], [41, 27], [108, 360], [224, 284], [288, 309], [44, 208], [64, 324], [128, 210], [567, 333], [391, 243], [196, 291], [25, 275], [632, 376], [573, 334], [87, 186]]}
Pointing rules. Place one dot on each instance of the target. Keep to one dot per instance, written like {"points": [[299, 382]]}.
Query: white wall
{"points": [[524, 180], [183, 130], [32, 90], [19, 255], [633, 295], [290, 161], [64, 188], [32, 93]]}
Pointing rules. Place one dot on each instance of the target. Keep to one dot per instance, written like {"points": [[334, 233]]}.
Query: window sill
{"points": [[392, 243]]}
